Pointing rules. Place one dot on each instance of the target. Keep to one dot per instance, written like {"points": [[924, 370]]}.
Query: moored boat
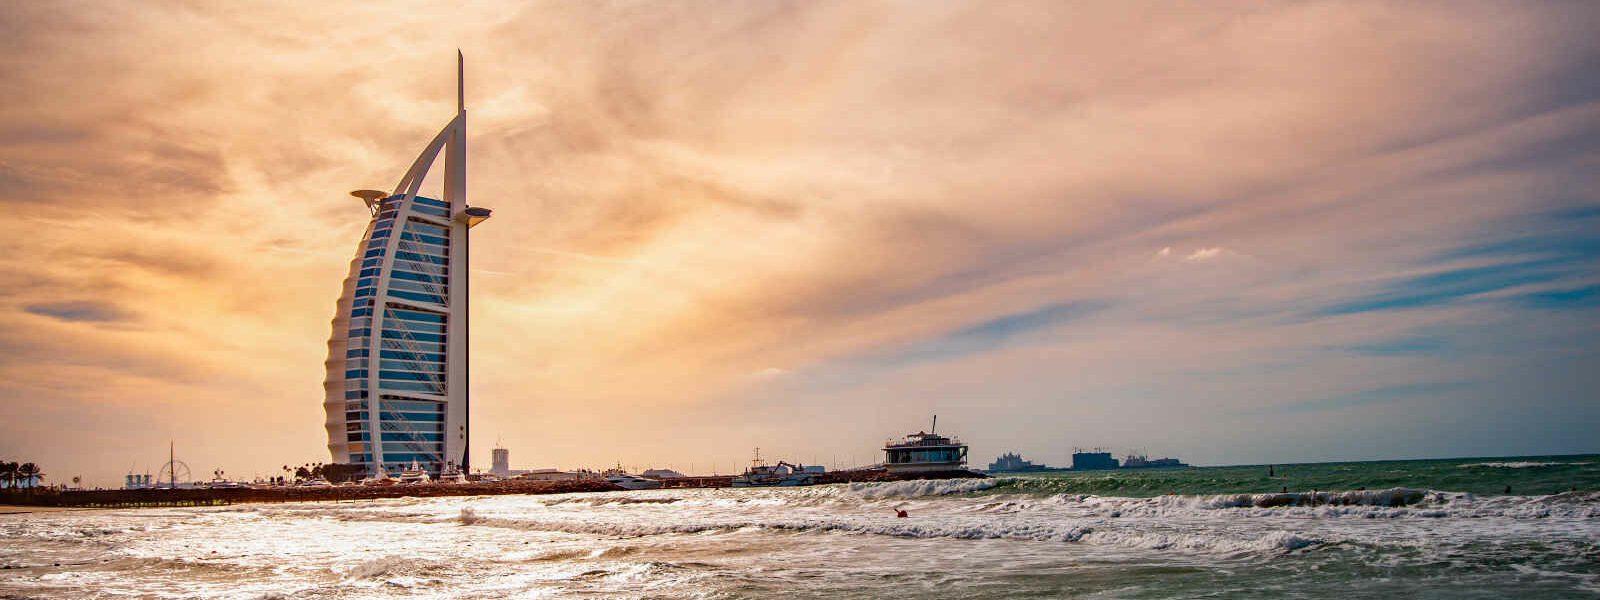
{"points": [[783, 474]]}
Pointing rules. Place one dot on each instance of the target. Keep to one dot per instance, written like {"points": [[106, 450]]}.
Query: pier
{"points": [[221, 497]]}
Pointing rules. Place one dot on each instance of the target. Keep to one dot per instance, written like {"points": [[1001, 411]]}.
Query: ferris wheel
{"points": [[174, 472]]}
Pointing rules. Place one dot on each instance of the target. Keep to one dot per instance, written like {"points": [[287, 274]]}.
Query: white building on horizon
{"points": [[396, 387]]}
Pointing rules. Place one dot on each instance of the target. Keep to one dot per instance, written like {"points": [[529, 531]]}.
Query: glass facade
{"points": [[396, 365]]}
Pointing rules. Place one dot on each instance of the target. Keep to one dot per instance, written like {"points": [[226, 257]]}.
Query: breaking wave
{"points": [[912, 489], [1517, 465]]}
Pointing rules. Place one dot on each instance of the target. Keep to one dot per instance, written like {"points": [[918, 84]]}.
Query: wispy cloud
{"points": [[951, 203]]}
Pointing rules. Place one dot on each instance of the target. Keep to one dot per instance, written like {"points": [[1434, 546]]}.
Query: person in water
{"points": [[900, 513]]}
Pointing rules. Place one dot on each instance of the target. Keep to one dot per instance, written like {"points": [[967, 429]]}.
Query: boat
{"points": [[415, 475], [380, 478], [630, 481], [452, 475], [783, 474], [218, 482], [925, 452], [315, 482]]}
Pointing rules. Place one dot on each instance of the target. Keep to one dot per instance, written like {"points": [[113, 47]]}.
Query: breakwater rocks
{"points": [[210, 497]]}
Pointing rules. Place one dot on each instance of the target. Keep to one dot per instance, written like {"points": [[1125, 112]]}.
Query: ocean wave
{"points": [[1521, 464], [921, 487], [966, 529], [605, 500]]}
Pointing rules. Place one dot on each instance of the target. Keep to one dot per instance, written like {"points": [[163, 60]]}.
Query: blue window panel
{"points": [[416, 315], [421, 337], [399, 421], [426, 239], [417, 277], [416, 327], [353, 395], [365, 311], [429, 269], [416, 286], [353, 416], [419, 227], [413, 427], [355, 426], [412, 256], [413, 422], [372, 262], [411, 356], [386, 215], [407, 246], [429, 210], [360, 458], [355, 373], [408, 447], [357, 353], [358, 437], [425, 367], [431, 201], [373, 272], [418, 297], [355, 333], [411, 405], [356, 405], [367, 282], [412, 442], [405, 376], [403, 460], [414, 387], [374, 252], [382, 233], [366, 292], [412, 436], [377, 243]]}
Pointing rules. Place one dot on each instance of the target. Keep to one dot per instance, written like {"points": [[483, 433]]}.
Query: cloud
{"points": [[83, 311], [908, 207]]}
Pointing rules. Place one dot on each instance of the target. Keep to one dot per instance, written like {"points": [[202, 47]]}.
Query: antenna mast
{"points": [[935, 424]]}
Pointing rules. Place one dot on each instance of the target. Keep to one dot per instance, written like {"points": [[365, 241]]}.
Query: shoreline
{"points": [[52, 501]]}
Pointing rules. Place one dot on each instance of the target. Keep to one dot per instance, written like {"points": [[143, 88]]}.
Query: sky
{"points": [[1231, 233]]}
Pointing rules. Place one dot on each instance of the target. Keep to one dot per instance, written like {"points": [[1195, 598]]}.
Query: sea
{"points": [[1523, 527]]}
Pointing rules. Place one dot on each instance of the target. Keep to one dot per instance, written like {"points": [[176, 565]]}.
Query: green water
{"points": [[1526, 476]]}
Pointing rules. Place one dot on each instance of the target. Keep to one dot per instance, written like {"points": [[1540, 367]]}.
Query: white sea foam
{"points": [[823, 540], [1517, 464], [912, 489]]}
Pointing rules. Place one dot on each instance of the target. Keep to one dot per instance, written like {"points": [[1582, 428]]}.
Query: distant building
{"points": [[1013, 462], [925, 452], [1140, 461], [1093, 461], [502, 462]]}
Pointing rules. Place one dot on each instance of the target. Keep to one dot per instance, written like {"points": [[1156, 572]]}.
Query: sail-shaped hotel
{"points": [[396, 390]]}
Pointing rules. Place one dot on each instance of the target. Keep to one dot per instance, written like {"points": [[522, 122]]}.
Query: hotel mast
{"points": [[396, 389]]}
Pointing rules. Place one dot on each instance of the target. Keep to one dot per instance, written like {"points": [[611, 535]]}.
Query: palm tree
{"points": [[8, 474], [31, 475]]}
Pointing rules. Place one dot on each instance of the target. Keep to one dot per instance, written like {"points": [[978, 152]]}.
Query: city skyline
{"points": [[1294, 233]]}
